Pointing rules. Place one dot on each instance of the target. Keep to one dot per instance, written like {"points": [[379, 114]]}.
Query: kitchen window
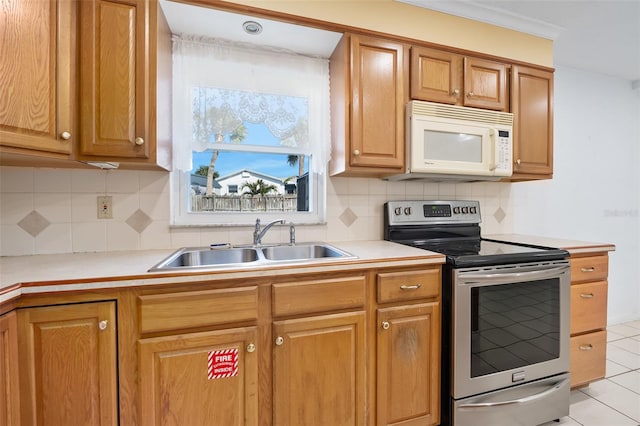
{"points": [[251, 134]]}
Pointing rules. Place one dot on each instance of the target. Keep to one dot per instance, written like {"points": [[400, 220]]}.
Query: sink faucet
{"points": [[258, 234]]}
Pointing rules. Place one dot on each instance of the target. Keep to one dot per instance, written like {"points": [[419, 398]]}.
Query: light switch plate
{"points": [[105, 207]]}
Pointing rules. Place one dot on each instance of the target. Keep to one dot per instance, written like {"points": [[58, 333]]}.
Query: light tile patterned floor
{"points": [[615, 400]]}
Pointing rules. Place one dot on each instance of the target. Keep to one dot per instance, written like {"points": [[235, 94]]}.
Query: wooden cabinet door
{"points": [[436, 75], [176, 388], [369, 89], [378, 84], [9, 389], [68, 364], [588, 358], [113, 85], [532, 107], [36, 57], [408, 365], [318, 367], [485, 84]]}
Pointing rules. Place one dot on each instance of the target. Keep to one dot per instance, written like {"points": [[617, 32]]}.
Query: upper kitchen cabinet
{"points": [[119, 54], [101, 104], [532, 107], [369, 88], [445, 77], [36, 77]]}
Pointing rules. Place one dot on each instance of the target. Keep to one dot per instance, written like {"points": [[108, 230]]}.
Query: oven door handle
{"points": [[526, 399], [509, 277]]}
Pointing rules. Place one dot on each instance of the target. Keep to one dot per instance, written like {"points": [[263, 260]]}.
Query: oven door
{"points": [[510, 325]]}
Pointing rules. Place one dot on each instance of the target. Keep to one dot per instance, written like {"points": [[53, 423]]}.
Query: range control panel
{"points": [[432, 212]]}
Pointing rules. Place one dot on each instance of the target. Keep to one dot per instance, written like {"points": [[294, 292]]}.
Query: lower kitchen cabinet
{"points": [[9, 389], [207, 378], [68, 370], [588, 318], [408, 365], [319, 370], [408, 327]]}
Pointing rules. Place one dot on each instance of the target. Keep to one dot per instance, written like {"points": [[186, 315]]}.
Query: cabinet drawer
{"points": [[174, 311], [400, 286], [588, 306], [592, 268], [588, 352], [318, 295]]}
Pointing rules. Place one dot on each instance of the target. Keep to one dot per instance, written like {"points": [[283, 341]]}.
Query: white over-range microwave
{"points": [[447, 142]]}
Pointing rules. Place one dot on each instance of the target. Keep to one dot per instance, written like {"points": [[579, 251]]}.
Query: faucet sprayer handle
{"points": [[292, 234]]}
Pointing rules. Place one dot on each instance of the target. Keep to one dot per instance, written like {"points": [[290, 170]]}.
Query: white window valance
{"points": [[218, 85]]}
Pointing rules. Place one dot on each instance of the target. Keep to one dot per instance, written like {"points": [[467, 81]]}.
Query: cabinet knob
{"points": [[251, 347], [518, 161], [356, 152], [455, 92], [385, 325], [470, 94], [139, 141], [279, 341], [65, 135], [102, 325]]}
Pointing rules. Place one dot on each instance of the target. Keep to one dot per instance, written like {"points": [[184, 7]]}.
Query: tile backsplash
{"points": [[45, 211]]}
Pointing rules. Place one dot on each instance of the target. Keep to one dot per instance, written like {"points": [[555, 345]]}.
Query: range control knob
{"points": [[473, 210], [456, 210], [465, 210], [407, 211], [397, 211]]}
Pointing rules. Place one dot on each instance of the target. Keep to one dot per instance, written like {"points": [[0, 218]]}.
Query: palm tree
{"points": [[204, 171], [292, 160], [216, 122], [259, 187]]}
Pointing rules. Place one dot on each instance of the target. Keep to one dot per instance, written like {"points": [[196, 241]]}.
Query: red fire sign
{"points": [[222, 363]]}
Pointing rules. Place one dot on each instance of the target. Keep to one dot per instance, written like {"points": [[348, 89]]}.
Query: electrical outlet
{"points": [[105, 207]]}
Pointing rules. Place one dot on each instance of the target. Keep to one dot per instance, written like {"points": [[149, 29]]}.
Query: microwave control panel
{"points": [[504, 154]]}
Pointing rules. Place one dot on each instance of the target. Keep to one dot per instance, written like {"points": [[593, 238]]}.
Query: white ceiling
{"points": [[214, 23], [601, 36]]}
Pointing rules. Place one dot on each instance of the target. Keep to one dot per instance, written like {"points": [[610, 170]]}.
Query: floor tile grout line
{"points": [[607, 405], [629, 389]]}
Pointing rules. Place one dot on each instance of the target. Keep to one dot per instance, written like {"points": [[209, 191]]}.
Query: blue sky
{"points": [[269, 164]]}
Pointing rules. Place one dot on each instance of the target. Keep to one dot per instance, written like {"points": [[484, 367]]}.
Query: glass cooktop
{"points": [[484, 252]]}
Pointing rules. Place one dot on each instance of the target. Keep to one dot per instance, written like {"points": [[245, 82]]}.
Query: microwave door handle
{"points": [[494, 152], [507, 277]]}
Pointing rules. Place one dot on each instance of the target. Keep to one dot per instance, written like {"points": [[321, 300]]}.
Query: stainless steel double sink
{"points": [[199, 258]]}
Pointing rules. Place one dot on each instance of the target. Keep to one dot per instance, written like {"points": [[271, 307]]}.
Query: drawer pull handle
{"points": [[590, 269], [385, 325], [410, 287], [586, 295], [586, 347]]}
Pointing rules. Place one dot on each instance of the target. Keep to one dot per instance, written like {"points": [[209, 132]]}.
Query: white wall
{"points": [[595, 192]]}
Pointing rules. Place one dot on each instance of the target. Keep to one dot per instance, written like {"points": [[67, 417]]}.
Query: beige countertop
{"points": [[572, 246], [84, 271]]}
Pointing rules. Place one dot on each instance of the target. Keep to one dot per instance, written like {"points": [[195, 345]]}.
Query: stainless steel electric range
{"points": [[505, 316]]}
